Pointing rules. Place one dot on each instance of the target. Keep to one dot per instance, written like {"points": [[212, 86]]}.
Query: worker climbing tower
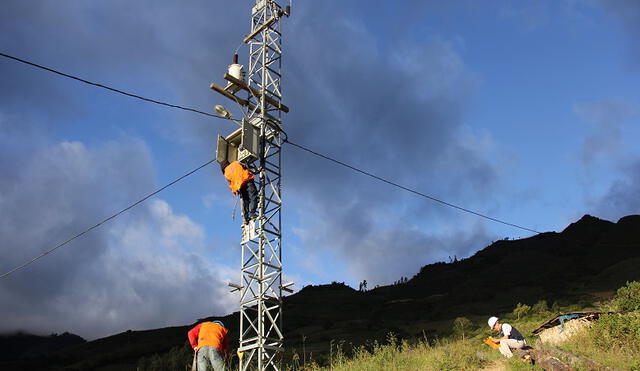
{"points": [[258, 144]]}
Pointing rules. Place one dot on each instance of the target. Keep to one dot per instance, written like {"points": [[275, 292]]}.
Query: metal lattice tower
{"points": [[261, 332], [258, 143]]}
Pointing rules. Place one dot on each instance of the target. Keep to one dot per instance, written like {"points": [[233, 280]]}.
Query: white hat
{"points": [[492, 321]]}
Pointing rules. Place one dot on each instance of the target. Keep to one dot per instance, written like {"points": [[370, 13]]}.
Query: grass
{"points": [[624, 358], [613, 350], [452, 353], [422, 355], [613, 341]]}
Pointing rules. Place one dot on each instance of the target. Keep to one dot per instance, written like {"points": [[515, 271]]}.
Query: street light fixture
{"points": [[222, 111]]}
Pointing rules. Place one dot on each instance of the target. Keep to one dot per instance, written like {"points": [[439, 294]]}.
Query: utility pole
{"points": [[258, 144]]}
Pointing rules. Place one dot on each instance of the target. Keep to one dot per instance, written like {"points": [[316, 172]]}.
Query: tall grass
{"points": [[613, 340], [441, 355]]}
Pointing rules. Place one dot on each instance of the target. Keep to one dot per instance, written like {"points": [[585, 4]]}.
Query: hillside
{"points": [[587, 260], [21, 345]]}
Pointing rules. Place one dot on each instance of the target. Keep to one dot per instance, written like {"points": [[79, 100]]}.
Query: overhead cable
{"points": [[409, 189], [106, 219], [110, 88], [286, 141]]}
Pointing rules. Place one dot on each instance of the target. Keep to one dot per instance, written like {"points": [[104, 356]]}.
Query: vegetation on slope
{"points": [[613, 341], [590, 258]]}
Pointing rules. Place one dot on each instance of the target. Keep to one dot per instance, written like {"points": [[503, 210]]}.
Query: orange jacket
{"points": [[209, 334], [237, 175]]}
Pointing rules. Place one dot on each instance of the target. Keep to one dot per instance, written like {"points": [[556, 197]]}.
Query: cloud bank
{"points": [[146, 269], [399, 114]]}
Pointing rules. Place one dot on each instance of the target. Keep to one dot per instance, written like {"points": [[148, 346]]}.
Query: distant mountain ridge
{"points": [[545, 266], [590, 255], [19, 345]]}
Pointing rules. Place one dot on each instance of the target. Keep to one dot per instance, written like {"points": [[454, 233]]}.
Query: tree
{"points": [[521, 310], [462, 325]]}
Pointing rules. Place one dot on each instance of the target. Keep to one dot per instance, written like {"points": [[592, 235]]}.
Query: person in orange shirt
{"points": [[241, 181], [210, 341]]}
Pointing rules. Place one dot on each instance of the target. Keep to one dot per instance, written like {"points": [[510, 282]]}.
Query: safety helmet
{"points": [[492, 321]]}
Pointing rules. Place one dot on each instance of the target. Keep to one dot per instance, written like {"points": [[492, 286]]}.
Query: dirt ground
{"points": [[497, 365]]}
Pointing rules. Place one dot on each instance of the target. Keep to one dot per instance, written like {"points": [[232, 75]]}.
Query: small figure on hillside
{"points": [[241, 181], [360, 289], [210, 342], [510, 337], [364, 285]]}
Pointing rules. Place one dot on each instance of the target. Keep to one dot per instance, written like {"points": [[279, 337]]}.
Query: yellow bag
{"points": [[489, 342]]}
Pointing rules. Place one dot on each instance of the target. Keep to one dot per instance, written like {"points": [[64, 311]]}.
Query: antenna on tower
{"points": [[258, 143]]}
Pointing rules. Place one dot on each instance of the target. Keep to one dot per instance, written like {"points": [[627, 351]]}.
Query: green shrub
{"points": [[178, 358], [462, 326], [541, 307], [521, 310], [628, 297], [616, 330]]}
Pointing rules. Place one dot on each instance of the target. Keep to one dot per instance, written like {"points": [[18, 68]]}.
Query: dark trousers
{"points": [[249, 195]]}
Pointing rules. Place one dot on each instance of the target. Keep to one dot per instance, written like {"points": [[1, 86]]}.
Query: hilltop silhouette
{"points": [[588, 259]]}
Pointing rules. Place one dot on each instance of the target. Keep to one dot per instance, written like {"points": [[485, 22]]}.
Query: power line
{"points": [[106, 220], [110, 88], [222, 117], [409, 189], [286, 140]]}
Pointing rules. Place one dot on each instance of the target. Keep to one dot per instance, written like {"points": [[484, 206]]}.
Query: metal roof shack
{"points": [[561, 327]]}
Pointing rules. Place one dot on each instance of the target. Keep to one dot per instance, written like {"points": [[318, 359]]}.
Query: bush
{"points": [[616, 330], [178, 358], [541, 307], [521, 310], [461, 326], [628, 297]]}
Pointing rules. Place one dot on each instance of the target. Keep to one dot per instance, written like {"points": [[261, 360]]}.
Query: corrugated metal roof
{"points": [[555, 321]]}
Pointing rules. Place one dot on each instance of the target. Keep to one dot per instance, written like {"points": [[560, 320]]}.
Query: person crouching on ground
{"points": [[210, 341], [510, 337]]}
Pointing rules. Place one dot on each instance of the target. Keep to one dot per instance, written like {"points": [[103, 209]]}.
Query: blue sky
{"points": [[527, 111]]}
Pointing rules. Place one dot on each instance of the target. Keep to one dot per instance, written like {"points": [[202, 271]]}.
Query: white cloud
{"points": [[176, 229], [148, 268], [400, 116]]}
